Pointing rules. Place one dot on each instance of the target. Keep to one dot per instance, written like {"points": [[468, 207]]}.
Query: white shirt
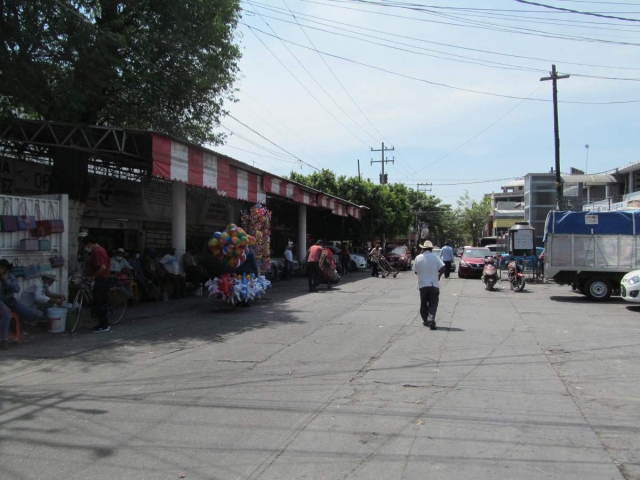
{"points": [[427, 266], [288, 255], [446, 255], [170, 264], [35, 294]]}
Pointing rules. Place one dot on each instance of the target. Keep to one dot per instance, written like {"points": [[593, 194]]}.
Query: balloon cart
{"points": [[231, 246]]}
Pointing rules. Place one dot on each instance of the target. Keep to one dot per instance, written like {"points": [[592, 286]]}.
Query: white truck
{"points": [[592, 251]]}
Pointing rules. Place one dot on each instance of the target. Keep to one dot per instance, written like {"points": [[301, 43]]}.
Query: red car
{"points": [[399, 257], [472, 261]]}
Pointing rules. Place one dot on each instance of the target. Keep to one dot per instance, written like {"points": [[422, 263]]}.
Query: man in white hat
{"points": [[39, 296], [429, 269]]}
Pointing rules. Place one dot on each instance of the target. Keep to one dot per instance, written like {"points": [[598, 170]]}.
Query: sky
{"points": [[453, 86]]}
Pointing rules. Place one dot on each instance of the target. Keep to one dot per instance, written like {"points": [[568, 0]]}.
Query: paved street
{"points": [[335, 385]]}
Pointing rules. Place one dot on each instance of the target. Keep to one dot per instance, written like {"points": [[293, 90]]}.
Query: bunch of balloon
{"points": [[231, 245]]}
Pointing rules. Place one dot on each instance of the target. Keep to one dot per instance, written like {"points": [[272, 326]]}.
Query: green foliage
{"points": [[473, 215], [388, 212], [164, 65]]}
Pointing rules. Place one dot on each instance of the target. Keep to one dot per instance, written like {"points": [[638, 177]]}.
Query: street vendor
{"points": [[250, 265], [39, 295]]}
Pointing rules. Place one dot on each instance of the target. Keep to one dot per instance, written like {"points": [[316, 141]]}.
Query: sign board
{"points": [[523, 240], [19, 177], [591, 219]]}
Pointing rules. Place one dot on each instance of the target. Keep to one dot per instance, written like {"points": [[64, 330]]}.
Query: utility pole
{"points": [[383, 177], [359, 177], [427, 188], [554, 79]]}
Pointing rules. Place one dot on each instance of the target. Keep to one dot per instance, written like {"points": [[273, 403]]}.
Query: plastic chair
{"points": [[18, 334]]}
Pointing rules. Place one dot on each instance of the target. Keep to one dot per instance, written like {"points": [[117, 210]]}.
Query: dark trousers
{"points": [[447, 268], [288, 269], [313, 272], [374, 272], [178, 285], [345, 265], [429, 298], [101, 301]]}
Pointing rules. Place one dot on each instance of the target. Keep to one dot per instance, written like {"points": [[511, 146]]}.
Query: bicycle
{"points": [[116, 304]]}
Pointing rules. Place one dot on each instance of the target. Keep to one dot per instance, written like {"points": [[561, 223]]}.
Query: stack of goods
{"points": [[257, 222], [235, 289]]}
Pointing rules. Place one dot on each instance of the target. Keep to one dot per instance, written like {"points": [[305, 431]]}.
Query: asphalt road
{"points": [[340, 384]]}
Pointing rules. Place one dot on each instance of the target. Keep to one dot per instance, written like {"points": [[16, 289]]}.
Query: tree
{"points": [[387, 213], [163, 65], [474, 215]]}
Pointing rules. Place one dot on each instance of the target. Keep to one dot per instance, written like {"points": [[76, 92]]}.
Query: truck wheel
{"points": [[598, 289]]}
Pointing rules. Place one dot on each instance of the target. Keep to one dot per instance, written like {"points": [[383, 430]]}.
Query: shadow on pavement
{"points": [[450, 329], [174, 324], [579, 298]]}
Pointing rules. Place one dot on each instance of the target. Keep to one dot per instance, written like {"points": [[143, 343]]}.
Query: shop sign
{"points": [[19, 177]]}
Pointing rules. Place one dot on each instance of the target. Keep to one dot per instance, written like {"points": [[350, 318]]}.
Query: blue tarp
{"points": [[593, 223]]}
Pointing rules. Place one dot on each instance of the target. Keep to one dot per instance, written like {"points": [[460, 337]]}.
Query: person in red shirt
{"points": [[97, 269], [313, 265]]}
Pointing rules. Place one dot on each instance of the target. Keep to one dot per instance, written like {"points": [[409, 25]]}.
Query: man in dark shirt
{"points": [[98, 267]]}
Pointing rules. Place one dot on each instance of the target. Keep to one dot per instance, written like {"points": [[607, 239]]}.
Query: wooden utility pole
{"points": [[554, 79], [383, 177]]}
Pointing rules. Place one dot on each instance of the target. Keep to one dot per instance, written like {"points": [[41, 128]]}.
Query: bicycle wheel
{"points": [[117, 306], [74, 316]]}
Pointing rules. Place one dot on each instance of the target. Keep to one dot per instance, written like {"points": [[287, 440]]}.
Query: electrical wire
{"points": [[461, 47], [439, 84], [569, 10]]}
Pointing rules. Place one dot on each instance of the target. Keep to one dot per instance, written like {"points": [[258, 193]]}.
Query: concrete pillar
{"points": [[179, 220], [302, 233], [231, 214], [630, 183]]}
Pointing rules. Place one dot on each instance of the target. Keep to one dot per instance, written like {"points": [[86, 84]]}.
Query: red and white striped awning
{"points": [[183, 163], [189, 164]]}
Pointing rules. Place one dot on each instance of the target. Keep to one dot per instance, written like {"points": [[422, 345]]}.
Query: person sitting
{"points": [[152, 269], [9, 288], [172, 272], [39, 296], [138, 275], [194, 273], [122, 271]]}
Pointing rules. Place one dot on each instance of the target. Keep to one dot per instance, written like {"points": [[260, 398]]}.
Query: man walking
{"points": [[288, 263], [446, 255], [313, 265], [98, 267], [429, 269]]}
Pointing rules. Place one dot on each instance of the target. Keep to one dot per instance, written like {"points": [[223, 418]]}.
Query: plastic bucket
{"points": [[56, 319]]}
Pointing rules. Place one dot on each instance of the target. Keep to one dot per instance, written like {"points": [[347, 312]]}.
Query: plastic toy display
{"points": [[231, 245], [235, 289]]}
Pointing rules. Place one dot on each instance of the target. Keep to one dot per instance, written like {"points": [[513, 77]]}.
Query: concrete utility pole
{"points": [[427, 188], [554, 78], [359, 177], [383, 177]]}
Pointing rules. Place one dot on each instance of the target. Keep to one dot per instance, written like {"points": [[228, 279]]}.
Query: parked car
{"points": [[437, 251], [472, 261], [458, 252], [399, 257], [361, 251], [630, 287], [357, 261]]}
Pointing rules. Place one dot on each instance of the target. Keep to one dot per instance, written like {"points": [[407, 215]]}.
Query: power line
{"points": [[273, 143], [316, 82], [430, 82], [466, 48], [592, 14]]}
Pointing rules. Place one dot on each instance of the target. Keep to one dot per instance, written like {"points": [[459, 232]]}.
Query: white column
{"points": [[64, 249], [179, 220], [302, 233], [231, 214]]}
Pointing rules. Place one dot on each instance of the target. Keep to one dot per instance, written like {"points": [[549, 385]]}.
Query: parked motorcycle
{"points": [[490, 273], [516, 275]]}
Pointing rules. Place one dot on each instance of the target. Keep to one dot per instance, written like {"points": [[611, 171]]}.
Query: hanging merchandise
{"points": [[231, 245], [234, 289], [257, 222]]}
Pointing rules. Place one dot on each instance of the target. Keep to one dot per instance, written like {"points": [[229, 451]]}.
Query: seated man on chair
{"points": [[9, 288], [122, 271], [172, 272], [39, 296]]}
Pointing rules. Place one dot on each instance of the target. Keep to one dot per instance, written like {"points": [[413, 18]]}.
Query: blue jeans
{"points": [[28, 313], [5, 321]]}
